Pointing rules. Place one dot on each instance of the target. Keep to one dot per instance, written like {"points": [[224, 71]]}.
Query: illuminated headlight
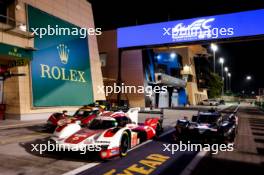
{"points": [[104, 154], [191, 127], [201, 131], [213, 129]]}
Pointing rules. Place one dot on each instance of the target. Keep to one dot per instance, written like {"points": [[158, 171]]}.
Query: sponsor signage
{"points": [[14, 51], [242, 24], [60, 68]]}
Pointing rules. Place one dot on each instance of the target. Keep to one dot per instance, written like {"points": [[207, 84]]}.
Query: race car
{"points": [[209, 127], [84, 115], [210, 102], [112, 133]]}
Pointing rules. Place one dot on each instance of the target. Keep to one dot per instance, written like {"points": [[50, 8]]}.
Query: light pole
{"points": [[221, 61], [226, 80], [229, 77], [214, 48]]}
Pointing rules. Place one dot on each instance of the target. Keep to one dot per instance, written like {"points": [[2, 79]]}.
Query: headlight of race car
{"points": [[191, 127], [213, 129]]}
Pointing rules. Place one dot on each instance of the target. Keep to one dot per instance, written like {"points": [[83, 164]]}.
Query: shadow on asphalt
{"points": [[252, 111], [257, 129], [260, 151], [177, 168], [40, 128], [257, 134], [213, 166]]}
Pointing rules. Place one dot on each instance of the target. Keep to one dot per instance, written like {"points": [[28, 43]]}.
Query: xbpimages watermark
{"points": [[51, 146], [213, 148], [65, 31], [148, 90]]}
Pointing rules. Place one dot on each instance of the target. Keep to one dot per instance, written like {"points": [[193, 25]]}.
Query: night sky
{"points": [[243, 58]]}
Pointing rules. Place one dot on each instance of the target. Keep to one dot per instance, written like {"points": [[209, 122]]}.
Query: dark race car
{"points": [[83, 115], [207, 127]]}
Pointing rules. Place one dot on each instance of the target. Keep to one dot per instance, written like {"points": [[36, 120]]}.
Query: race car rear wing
{"points": [[132, 113]]}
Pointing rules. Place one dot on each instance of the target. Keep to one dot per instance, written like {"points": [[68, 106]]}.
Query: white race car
{"points": [[210, 102], [111, 133]]}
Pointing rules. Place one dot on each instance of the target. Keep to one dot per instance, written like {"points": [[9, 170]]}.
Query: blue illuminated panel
{"points": [[241, 24]]}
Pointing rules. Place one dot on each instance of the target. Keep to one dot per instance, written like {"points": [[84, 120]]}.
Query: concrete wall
{"points": [[132, 75], [131, 67], [78, 12], [107, 43]]}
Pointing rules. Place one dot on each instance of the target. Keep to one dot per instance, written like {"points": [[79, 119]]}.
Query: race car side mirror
{"points": [[194, 118]]}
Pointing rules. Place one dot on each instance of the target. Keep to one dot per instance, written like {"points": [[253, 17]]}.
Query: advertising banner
{"points": [[60, 67], [14, 51], [242, 24]]}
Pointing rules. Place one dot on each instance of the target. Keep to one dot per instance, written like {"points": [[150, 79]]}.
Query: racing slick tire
{"points": [[158, 130], [124, 144], [232, 137]]}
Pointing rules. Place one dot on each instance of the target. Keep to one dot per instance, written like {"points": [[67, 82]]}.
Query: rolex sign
{"points": [[60, 67]]}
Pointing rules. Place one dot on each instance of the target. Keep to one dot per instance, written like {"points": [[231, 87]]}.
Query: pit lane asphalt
{"points": [[132, 164], [16, 156]]}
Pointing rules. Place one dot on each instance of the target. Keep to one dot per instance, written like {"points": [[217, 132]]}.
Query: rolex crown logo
{"points": [[63, 53]]}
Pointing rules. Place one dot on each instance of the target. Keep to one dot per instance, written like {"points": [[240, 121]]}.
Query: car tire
{"points": [[233, 136], [159, 129], [124, 144]]}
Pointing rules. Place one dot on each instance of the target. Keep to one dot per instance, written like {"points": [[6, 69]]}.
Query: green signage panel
{"points": [[60, 68], [14, 51]]}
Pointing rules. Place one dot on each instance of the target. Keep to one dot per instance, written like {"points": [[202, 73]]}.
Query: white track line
{"points": [[81, 169], [91, 165]]}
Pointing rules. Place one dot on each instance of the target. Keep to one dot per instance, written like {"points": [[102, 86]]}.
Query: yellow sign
{"points": [[145, 166]]}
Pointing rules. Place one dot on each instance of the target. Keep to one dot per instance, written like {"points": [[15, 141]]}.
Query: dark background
{"points": [[243, 58]]}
